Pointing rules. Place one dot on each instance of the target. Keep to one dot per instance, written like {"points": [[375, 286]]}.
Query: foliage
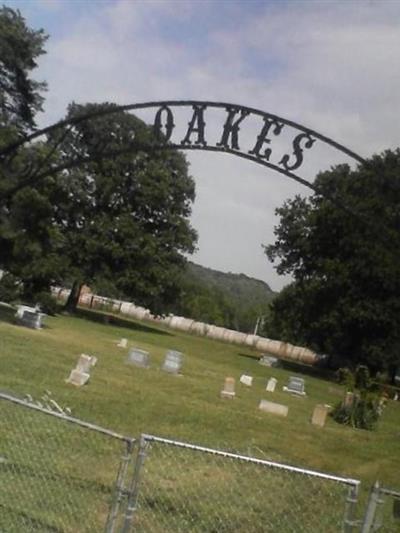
{"points": [[47, 303], [363, 413], [224, 299], [124, 219], [20, 97], [366, 407], [342, 248], [10, 288]]}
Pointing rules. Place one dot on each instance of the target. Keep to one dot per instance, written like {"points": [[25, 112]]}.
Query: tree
{"points": [[342, 248], [20, 95], [124, 219]]}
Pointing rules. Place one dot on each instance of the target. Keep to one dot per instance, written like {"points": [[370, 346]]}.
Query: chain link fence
{"points": [[59, 474], [62, 475], [383, 511], [182, 487]]}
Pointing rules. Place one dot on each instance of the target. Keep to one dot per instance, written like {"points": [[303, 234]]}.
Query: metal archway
{"points": [[196, 138]]}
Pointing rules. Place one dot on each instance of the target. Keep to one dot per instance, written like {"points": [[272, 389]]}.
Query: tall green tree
{"points": [[124, 218], [342, 247], [20, 94]]}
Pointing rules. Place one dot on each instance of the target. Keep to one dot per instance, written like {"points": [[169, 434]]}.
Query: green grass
{"points": [[133, 400]]}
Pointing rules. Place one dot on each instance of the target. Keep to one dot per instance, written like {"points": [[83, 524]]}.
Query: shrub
{"points": [[366, 407], [47, 303]]}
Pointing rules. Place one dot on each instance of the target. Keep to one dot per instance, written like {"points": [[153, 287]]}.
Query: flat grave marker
{"points": [[273, 408], [246, 380]]}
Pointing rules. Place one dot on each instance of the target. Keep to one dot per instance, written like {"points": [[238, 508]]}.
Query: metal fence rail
{"points": [[182, 488], [383, 511], [59, 474]]}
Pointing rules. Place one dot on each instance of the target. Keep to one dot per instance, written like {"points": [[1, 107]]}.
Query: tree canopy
{"points": [[20, 94], [91, 203], [341, 245]]}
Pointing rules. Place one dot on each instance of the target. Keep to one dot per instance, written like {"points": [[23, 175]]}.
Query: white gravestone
{"points": [[84, 363], [172, 362], [78, 378], [246, 380], [138, 357], [269, 360], [319, 415], [295, 386], [123, 343], [271, 385], [273, 408], [229, 388]]}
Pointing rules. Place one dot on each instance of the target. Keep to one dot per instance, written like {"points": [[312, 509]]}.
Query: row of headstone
{"points": [[80, 375], [296, 385], [172, 362], [319, 414]]}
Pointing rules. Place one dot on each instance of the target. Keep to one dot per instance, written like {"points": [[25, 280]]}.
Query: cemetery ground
{"points": [[188, 407]]}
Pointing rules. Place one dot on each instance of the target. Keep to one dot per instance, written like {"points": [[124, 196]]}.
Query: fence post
{"points": [[370, 513], [134, 486], [349, 522], [119, 492]]}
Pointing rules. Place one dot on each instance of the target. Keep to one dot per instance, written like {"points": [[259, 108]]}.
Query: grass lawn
{"points": [[132, 400]]}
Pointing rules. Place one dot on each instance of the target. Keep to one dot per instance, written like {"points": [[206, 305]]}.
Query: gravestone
{"points": [[229, 388], [295, 386], [138, 357], [84, 363], [172, 362], [273, 408], [348, 399], [30, 317], [246, 380], [78, 378], [123, 343], [319, 415], [271, 384], [269, 360]]}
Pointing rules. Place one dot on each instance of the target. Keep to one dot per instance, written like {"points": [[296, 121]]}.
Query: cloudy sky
{"points": [[333, 66]]}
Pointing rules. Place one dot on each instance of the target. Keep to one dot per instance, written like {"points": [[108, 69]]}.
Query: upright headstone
{"points": [[173, 362], [319, 415], [271, 384], [348, 399], [30, 317], [229, 388], [246, 380], [295, 386], [84, 363], [78, 378], [123, 343], [138, 357], [273, 408]]}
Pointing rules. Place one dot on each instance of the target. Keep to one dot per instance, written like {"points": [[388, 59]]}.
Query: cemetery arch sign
{"points": [[262, 151]]}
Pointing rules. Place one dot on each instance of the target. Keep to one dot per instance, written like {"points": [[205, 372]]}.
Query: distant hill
{"points": [[230, 300]]}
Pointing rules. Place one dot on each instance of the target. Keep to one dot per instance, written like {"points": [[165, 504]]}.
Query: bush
{"points": [[366, 407], [47, 303], [364, 412], [10, 288]]}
